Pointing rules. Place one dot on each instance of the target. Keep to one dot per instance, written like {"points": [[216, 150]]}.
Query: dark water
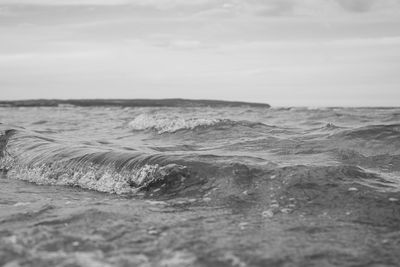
{"points": [[201, 186]]}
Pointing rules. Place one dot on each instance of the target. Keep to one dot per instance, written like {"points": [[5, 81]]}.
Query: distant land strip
{"points": [[173, 102]]}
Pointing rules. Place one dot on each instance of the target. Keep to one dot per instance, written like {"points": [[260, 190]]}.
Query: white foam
{"points": [[100, 178], [171, 123]]}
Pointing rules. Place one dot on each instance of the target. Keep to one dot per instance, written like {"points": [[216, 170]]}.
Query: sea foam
{"points": [[170, 124]]}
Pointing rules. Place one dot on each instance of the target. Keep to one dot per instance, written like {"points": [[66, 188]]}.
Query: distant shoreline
{"points": [[172, 102]]}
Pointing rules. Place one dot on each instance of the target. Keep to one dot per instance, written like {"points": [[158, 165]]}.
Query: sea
{"points": [[198, 183]]}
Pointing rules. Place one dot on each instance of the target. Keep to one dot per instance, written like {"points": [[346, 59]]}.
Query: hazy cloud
{"points": [[212, 7], [356, 5]]}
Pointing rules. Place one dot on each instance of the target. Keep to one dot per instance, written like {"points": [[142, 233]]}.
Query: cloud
{"points": [[356, 5], [237, 7], [321, 7], [185, 44], [64, 2], [359, 42]]}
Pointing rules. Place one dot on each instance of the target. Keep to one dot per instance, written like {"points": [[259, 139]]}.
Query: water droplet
{"points": [[285, 210], [274, 206], [267, 214], [243, 225]]}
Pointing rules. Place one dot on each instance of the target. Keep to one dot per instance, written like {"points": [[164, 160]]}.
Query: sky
{"points": [[281, 52]]}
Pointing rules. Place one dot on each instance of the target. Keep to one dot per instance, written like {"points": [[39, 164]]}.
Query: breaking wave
{"points": [[171, 124], [35, 158]]}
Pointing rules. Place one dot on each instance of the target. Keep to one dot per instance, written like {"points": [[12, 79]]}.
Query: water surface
{"points": [[199, 186]]}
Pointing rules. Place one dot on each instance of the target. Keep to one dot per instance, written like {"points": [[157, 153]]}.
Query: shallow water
{"points": [[204, 186]]}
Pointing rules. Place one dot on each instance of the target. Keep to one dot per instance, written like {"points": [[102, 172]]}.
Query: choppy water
{"points": [[201, 186]]}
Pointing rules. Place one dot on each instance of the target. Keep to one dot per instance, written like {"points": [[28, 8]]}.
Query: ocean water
{"points": [[216, 185]]}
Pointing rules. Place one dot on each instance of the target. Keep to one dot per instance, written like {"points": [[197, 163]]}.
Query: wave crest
{"points": [[373, 132], [167, 124], [31, 158], [173, 123]]}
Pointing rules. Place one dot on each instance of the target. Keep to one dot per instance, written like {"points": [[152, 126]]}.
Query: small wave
{"points": [[39, 122], [94, 177], [174, 123], [44, 161], [371, 140], [327, 128], [324, 179], [373, 132], [331, 126], [384, 162]]}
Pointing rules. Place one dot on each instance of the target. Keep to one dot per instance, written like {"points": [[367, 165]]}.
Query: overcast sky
{"points": [[282, 52]]}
